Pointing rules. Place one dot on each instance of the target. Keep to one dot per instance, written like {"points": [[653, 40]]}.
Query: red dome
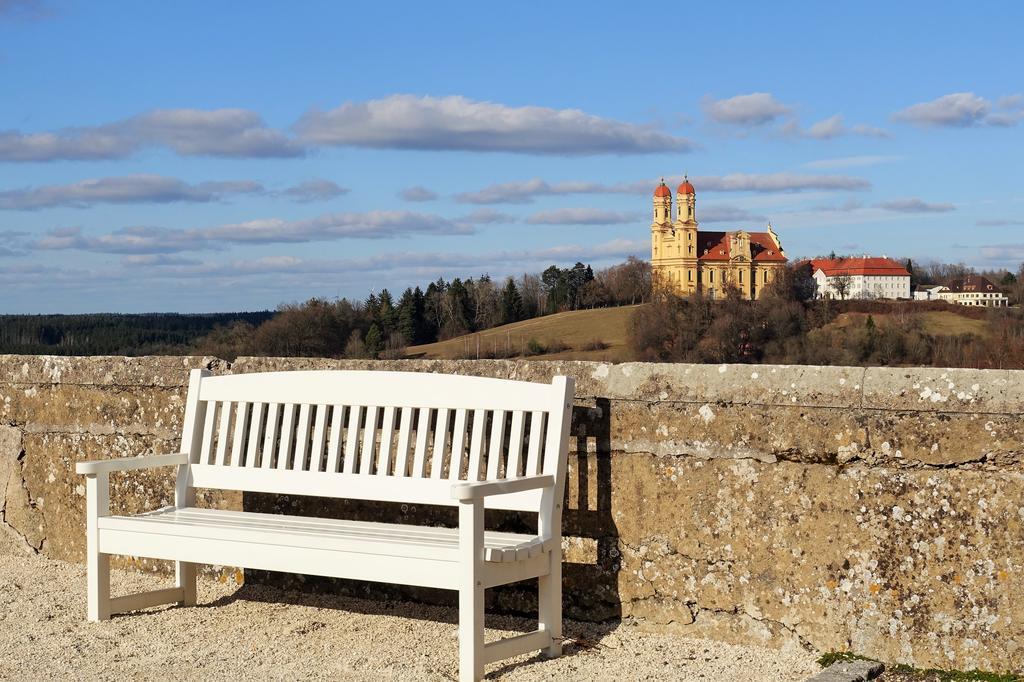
{"points": [[686, 187], [662, 190]]}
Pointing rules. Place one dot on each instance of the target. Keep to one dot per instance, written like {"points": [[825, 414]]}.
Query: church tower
{"points": [[662, 206], [662, 235], [686, 227]]}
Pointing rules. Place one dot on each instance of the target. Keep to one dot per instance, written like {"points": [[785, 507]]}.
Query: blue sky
{"points": [[223, 156]]}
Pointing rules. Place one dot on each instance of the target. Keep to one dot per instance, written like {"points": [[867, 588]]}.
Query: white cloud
{"points": [[852, 161], [869, 131], [154, 259], [328, 227], [130, 189], [526, 191], [964, 110], [1006, 255], [830, 128], [583, 216], [417, 193], [422, 263], [488, 216], [721, 213], [754, 109], [999, 222], [915, 205], [777, 182], [233, 133], [827, 129], [315, 190], [459, 123]]}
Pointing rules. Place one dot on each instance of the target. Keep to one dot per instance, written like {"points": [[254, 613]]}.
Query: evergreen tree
{"points": [[387, 316], [374, 341], [511, 303], [421, 332], [407, 317]]}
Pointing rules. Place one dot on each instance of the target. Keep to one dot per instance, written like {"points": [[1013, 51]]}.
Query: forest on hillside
{"points": [[114, 334]]}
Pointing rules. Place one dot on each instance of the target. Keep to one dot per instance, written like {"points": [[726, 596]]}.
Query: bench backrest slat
{"points": [[332, 433]]}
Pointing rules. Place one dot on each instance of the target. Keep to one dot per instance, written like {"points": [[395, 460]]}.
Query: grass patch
{"points": [[902, 672]]}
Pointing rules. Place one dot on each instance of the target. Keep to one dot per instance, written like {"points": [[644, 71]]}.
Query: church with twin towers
{"points": [[689, 260]]}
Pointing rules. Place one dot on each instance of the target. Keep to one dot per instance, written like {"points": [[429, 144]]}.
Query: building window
{"points": [[689, 275], [711, 275]]}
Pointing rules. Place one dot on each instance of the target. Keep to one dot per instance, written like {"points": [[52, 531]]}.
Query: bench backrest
{"points": [[394, 436]]}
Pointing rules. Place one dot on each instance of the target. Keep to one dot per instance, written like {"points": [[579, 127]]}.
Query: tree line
{"points": [[382, 327], [114, 334]]}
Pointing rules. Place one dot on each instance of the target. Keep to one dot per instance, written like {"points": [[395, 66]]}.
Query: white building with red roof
{"points": [[689, 260], [860, 277]]}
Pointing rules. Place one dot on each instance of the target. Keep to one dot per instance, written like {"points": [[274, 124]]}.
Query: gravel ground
{"points": [[263, 633]]}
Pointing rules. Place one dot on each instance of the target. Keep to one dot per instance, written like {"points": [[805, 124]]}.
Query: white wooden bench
{"points": [[401, 437]]}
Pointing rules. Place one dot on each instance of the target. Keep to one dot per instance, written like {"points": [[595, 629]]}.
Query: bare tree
{"points": [[842, 284]]}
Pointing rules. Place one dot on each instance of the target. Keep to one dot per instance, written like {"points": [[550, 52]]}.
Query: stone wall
{"points": [[879, 510]]}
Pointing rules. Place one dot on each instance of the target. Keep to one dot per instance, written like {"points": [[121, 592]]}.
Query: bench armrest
{"points": [[129, 463], [474, 490]]}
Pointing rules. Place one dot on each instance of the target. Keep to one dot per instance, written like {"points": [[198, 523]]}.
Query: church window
{"points": [[689, 275], [741, 277], [711, 275]]}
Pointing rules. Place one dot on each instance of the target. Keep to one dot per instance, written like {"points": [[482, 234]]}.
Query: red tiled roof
{"points": [[874, 267], [713, 246], [662, 190], [685, 188]]}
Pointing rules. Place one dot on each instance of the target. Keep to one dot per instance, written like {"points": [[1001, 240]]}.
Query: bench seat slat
{"points": [[399, 540]]}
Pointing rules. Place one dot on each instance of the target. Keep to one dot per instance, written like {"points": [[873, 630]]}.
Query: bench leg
{"points": [[471, 634], [549, 604], [185, 580], [97, 565], [471, 591], [98, 572]]}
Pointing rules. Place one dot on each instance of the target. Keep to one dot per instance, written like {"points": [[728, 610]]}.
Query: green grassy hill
{"points": [[598, 334], [934, 322]]}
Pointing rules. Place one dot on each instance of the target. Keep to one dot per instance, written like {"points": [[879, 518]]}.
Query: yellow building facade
{"points": [[688, 260]]}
